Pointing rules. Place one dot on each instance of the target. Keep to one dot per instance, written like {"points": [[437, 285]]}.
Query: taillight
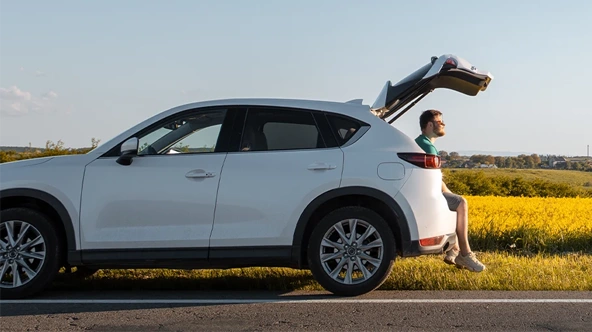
{"points": [[450, 61], [421, 159]]}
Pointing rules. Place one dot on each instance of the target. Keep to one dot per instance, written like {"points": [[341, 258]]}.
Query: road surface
{"points": [[299, 311]]}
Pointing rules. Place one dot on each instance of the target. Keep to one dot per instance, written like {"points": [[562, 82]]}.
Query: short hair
{"points": [[427, 116]]}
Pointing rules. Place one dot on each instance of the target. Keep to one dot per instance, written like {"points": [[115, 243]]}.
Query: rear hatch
{"points": [[447, 71]]}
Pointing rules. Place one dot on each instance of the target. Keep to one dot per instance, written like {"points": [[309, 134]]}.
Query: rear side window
{"points": [[343, 128], [280, 129]]}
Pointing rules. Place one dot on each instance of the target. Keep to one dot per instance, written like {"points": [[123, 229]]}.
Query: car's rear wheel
{"points": [[29, 252], [351, 251]]}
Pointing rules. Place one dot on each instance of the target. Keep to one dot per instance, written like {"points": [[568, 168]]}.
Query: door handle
{"points": [[198, 174], [320, 166]]}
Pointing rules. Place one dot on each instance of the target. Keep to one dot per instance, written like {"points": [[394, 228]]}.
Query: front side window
{"points": [[194, 133], [279, 129]]}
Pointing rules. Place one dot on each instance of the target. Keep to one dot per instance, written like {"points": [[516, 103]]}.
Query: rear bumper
{"points": [[414, 248]]}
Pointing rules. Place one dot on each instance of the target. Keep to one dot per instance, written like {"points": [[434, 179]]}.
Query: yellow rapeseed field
{"points": [[533, 224]]}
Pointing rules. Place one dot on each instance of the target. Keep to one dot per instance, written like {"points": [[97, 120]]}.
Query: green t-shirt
{"points": [[426, 144]]}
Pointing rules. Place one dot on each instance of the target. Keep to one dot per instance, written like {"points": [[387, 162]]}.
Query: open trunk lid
{"points": [[447, 71]]}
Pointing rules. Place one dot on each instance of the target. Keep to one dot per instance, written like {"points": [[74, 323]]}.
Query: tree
{"points": [[444, 155], [536, 159], [500, 161], [454, 155], [490, 160]]}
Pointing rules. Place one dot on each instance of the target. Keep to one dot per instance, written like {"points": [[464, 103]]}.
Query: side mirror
{"points": [[129, 149]]}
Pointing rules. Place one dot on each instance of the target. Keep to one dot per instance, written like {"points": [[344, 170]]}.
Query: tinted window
{"points": [[343, 128], [280, 129]]}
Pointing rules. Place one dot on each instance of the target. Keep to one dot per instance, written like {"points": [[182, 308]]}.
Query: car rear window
{"points": [[343, 127]]}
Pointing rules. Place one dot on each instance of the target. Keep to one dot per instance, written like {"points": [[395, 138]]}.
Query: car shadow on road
{"points": [[69, 295]]}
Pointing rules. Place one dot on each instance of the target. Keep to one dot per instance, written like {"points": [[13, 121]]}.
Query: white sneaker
{"points": [[451, 256], [469, 262]]}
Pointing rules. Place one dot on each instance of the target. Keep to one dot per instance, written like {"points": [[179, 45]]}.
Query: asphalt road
{"points": [[299, 311]]}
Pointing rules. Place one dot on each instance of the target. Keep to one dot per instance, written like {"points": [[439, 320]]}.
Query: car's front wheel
{"points": [[29, 252], [351, 251]]}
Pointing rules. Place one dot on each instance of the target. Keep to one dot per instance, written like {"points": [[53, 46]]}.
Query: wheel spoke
{"points": [[339, 228], [349, 272], [367, 274], [30, 273], [374, 244], [3, 271], [331, 256], [16, 276], [353, 224], [3, 245], [338, 269], [10, 231], [372, 260], [367, 233], [36, 241], [329, 243], [22, 233], [34, 254]]}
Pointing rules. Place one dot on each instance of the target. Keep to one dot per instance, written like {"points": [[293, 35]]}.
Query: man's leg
{"points": [[466, 258], [462, 226], [453, 204]]}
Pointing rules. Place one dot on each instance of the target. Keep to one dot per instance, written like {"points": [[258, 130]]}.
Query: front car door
{"points": [[281, 164], [166, 197]]}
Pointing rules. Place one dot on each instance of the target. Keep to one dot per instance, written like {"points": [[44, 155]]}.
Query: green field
{"points": [[577, 179]]}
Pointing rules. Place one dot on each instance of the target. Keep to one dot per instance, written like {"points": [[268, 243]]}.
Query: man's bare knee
{"points": [[464, 204]]}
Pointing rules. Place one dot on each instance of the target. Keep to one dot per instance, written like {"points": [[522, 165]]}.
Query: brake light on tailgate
{"points": [[422, 160]]}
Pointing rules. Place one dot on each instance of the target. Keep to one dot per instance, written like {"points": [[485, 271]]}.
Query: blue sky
{"points": [[74, 70]]}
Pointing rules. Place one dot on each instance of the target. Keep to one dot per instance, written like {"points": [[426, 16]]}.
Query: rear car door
{"points": [[281, 164]]}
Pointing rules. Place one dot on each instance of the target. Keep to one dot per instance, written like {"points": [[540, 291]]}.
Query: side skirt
{"points": [[188, 258]]}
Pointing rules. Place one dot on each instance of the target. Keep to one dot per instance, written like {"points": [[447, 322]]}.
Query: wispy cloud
{"points": [[36, 73], [17, 102]]}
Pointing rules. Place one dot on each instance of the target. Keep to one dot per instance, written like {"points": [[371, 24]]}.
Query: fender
{"points": [[51, 201], [400, 218]]}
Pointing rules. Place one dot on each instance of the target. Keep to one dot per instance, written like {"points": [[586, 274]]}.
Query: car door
{"points": [[166, 197], [283, 163], [445, 72]]}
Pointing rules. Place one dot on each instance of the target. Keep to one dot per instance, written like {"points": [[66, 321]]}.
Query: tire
{"points": [[382, 257], [39, 237]]}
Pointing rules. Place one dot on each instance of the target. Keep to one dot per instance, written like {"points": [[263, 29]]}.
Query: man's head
{"points": [[431, 123]]}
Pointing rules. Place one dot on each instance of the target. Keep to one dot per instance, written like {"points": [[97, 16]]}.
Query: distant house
{"points": [[487, 166], [553, 161]]}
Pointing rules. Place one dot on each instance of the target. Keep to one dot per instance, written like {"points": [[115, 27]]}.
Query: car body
{"points": [[239, 183]]}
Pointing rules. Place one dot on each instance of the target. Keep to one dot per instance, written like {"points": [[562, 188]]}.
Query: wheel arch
{"points": [[371, 198], [47, 204]]}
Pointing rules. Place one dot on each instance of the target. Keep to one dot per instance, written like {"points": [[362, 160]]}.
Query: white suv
{"points": [[328, 186]]}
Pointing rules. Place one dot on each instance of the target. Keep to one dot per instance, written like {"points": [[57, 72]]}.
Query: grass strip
{"points": [[505, 272]]}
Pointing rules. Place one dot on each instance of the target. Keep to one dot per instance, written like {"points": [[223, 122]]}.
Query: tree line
{"points": [[454, 160]]}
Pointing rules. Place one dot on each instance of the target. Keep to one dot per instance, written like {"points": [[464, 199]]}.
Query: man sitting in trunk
{"points": [[432, 127]]}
